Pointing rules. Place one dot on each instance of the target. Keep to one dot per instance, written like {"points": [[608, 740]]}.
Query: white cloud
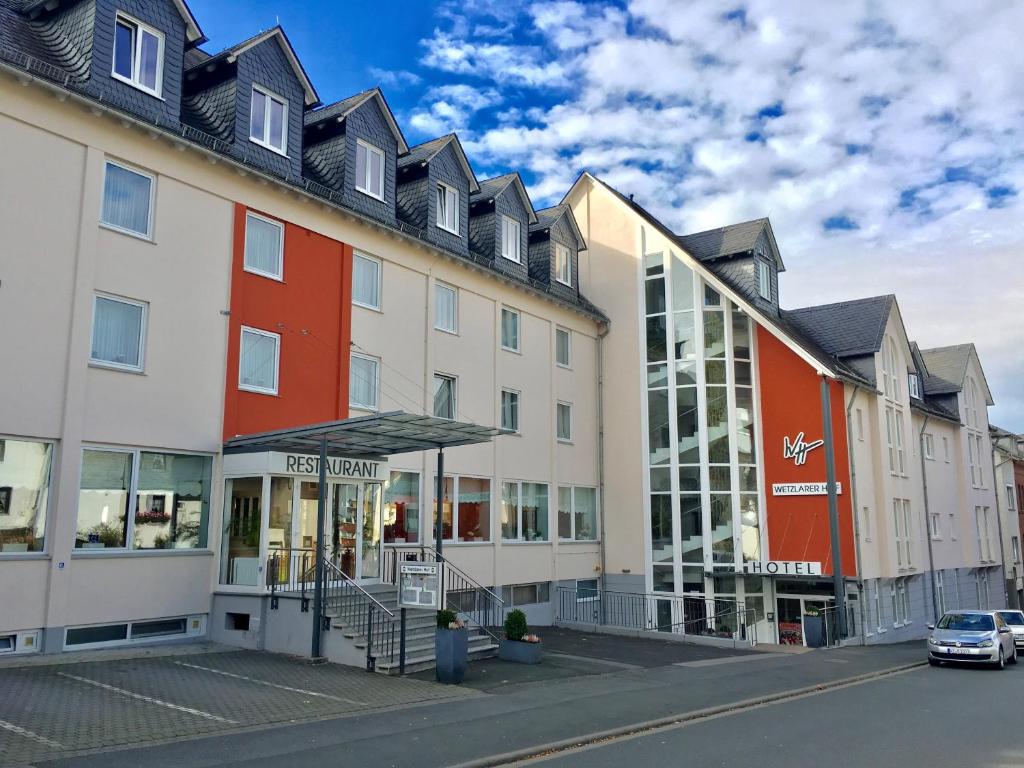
{"points": [[398, 78], [449, 108]]}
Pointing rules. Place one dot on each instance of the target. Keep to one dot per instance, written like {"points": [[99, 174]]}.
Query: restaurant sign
{"points": [[304, 464]]}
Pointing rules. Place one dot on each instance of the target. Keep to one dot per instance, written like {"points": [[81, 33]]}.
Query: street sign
{"points": [[419, 585]]}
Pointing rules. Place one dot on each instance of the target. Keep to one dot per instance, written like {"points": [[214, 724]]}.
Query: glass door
{"points": [[790, 621], [370, 524], [343, 526]]}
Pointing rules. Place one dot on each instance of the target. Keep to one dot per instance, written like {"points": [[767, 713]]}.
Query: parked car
{"points": [[971, 636], [1015, 621]]}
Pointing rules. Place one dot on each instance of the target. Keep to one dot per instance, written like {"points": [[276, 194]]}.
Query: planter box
{"points": [[814, 631], [451, 648], [519, 652]]}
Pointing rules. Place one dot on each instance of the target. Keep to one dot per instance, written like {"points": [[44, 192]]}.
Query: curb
{"points": [[525, 753]]}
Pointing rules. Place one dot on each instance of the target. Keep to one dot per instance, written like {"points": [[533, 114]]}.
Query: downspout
{"points": [[999, 523], [927, 518], [856, 517], [600, 445], [838, 587]]}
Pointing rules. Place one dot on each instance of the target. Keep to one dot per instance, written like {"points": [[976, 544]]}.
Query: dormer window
{"points": [[914, 385], [448, 208], [510, 239], [369, 169], [563, 265], [138, 55], [764, 280], [268, 120]]}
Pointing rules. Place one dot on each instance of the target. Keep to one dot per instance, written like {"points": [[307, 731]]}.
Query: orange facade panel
{"points": [[794, 460], [310, 309]]}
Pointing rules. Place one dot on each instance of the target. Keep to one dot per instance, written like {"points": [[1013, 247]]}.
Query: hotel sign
{"points": [[304, 464], [782, 568], [803, 489], [798, 449]]}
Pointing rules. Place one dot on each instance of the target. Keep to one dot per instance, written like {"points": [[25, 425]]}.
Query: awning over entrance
{"points": [[367, 437]]}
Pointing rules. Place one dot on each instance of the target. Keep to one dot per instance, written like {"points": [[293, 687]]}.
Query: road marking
{"points": [[726, 660], [272, 685], [150, 699], [29, 734], [609, 662]]}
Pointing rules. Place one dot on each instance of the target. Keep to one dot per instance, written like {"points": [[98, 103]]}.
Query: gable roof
{"points": [[193, 34], [425, 152], [491, 188], [731, 240], [950, 365], [340, 110], [845, 328], [232, 53], [548, 217]]}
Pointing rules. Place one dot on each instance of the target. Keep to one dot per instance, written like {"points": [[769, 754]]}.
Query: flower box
{"points": [[519, 651], [451, 651]]}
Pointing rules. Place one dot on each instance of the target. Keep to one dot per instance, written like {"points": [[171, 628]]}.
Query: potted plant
{"points": [[451, 647], [518, 645]]}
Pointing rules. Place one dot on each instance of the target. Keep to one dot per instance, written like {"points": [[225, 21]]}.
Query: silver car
{"points": [[971, 636], [1015, 621]]}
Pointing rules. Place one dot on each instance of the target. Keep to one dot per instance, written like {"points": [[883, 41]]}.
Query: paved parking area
{"points": [[58, 710]]}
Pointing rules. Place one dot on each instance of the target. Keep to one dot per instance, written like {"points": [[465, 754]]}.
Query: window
{"points": [[448, 208], [364, 382], [402, 508], [866, 518], [369, 169], [563, 418], [940, 592], [511, 239], [138, 55], [896, 606], [878, 608], [264, 246], [510, 410], [860, 425], [1015, 548], [466, 509], [366, 272], [577, 513], [934, 525], [1010, 500], [525, 594], [563, 264], [524, 511], [900, 459], [764, 280], [905, 599], [901, 527], [509, 329], [587, 589], [133, 499], [118, 333], [914, 385], [24, 492], [444, 396], [945, 449], [981, 519], [563, 347], [127, 200], [929, 446], [890, 429], [258, 361], [268, 120], [446, 308]]}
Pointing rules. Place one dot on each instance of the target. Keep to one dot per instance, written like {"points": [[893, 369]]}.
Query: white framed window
{"points": [[446, 308], [563, 347], [1015, 548], [982, 523], [764, 280], [268, 120], [900, 458], [465, 508], [25, 467], [901, 519], [138, 55], [563, 264], [897, 605], [366, 281], [577, 513], [587, 590], [447, 208], [118, 333], [934, 524], [524, 511], [940, 592], [264, 246], [929, 446], [510, 410], [364, 382], [905, 598], [860, 424], [880, 628], [511, 239], [1011, 501], [128, 199], [914, 385], [945, 449], [866, 518], [509, 329], [563, 419], [890, 438], [258, 360], [369, 169], [444, 396]]}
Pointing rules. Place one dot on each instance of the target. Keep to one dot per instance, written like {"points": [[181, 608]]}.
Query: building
{"points": [[1008, 463], [198, 250]]}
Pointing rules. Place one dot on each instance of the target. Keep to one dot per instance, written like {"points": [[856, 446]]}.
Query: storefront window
{"points": [[103, 499], [402, 508], [474, 509], [510, 510], [173, 501], [530, 519], [240, 543], [279, 529], [24, 489]]}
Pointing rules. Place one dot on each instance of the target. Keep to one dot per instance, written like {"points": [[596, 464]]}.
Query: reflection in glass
{"points": [[718, 425], [682, 285], [750, 535], [689, 478], [714, 334], [719, 478], [657, 350], [684, 338], [721, 529], [564, 512], [688, 448], [745, 425], [447, 509], [664, 578], [740, 334], [279, 530], [691, 528], [103, 500], [173, 503], [714, 371], [585, 511], [662, 550], [661, 479], [657, 375], [535, 511], [402, 508], [654, 264], [370, 565], [655, 297], [474, 509], [510, 510], [24, 489], [657, 419]]}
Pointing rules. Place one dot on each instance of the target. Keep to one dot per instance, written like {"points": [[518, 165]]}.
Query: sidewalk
{"points": [[525, 715]]}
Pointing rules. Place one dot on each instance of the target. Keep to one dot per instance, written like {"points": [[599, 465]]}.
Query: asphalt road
{"points": [[923, 717]]}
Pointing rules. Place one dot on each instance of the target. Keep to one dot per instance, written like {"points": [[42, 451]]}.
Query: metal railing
{"points": [[474, 603], [823, 633], [291, 571]]}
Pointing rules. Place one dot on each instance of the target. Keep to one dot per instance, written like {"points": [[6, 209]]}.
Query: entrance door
{"points": [[791, 626], [352, 526]]}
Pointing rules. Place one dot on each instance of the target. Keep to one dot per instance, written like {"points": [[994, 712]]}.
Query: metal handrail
{"points": [[441, 558], [329, 566]]}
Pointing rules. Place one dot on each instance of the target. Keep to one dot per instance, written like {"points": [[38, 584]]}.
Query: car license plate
{"points": [[960, 651]]}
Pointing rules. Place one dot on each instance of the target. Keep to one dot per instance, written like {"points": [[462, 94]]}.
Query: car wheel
{"points": [[1001, 664], [1013, 658]]}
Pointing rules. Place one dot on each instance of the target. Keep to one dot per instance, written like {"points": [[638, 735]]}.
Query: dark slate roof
{"points": [[548, 217], [491, 188], [19, 35], [846, 328], [193, 33], [424, 153], [724, 241], [342, 109], [949, 364], [195, 56]]}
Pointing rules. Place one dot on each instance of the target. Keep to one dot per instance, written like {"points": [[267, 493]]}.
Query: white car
{"points": [[978, 637], [1015, 621]]}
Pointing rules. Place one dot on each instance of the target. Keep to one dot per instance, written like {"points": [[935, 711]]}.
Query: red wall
{"points": [[311, 310], [798, 526]]}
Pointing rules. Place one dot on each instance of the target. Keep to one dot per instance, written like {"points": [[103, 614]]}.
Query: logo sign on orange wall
{"points": [[798, 449]]}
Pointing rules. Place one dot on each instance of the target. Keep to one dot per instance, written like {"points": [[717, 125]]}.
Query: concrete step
{"points": [[427, 661], [418, 646]]}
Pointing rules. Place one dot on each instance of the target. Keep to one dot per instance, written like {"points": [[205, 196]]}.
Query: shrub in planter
{"points": [[518, 645], [451, 648]]}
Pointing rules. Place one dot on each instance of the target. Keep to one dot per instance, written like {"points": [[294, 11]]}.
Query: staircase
{"points": [[419, 634]]}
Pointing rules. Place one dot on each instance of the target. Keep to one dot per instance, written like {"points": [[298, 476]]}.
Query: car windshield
{"points": [[967, 622], [1013, 617]]}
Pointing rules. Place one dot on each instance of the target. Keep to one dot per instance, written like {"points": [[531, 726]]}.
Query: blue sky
{"points": [[884, 140]]}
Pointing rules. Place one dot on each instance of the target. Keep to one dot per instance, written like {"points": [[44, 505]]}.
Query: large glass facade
{"points": [[701, 440]]}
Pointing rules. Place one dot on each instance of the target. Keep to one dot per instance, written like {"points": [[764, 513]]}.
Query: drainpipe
{"points": [[600, 446], [927, 518], [833, 506], [999, 523], [856, 516]]}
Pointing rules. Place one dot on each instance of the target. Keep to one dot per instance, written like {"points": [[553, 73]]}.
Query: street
{"points": [[922, 717]]}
